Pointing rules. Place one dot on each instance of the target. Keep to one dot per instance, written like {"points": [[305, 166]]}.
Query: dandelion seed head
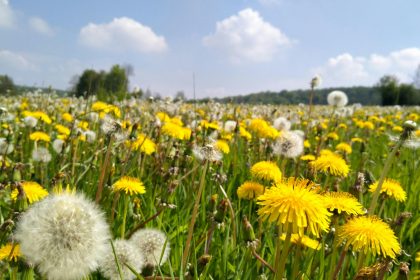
{"points": [[64, 235], [289, 144], [337, 98], [281, 123], [151, 242], [41, 154], [126, 254], [58, 145]]}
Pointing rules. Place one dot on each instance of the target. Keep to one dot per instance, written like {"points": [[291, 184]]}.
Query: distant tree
{"points": [[90, 83], [408, 95], [116, 80], [6, 85], [179, 96], [390, 91]]}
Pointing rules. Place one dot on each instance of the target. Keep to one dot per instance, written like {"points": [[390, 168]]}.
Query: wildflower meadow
{"points": [[163, 189]]}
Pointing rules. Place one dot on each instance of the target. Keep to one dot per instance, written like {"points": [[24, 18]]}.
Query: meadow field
{"points": [[157, 189]]}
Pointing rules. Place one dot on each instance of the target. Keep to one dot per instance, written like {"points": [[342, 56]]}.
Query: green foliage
{"points": [[363, 95], [106, 85], [394, 93], [6, 85]]}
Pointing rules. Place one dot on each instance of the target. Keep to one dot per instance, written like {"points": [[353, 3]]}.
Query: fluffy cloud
{"points": [[346, 70], [7, 16], [14, 61], [41, 26], [122, 34], [246, 36]]}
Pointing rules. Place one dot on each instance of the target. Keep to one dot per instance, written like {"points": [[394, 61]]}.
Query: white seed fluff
{"points": [[281, 123], [151, 242], [337, 98], [41, 154], [126, 254], [289, 144], [64, 235]]}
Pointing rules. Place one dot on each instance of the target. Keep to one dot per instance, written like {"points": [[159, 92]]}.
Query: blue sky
{"points": [[233, 47]]}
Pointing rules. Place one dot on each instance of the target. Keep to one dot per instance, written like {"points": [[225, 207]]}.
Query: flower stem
{"points": [[340, 263], [284, 253], [194, 216], [126, 202]]}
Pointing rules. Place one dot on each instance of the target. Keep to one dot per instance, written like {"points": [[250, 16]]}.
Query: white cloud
{"points": [[41, 26], [246, 36], [15, 61], [7, 17], [347, 70], [122, 34]]}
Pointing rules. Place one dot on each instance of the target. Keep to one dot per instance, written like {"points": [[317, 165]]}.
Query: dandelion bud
{"points": [[249, 231], [403, 271], [402, 218], [202, 262], [221, 211], [315, 82]]}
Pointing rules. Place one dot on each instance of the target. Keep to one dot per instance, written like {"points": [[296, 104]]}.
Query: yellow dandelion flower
{"points": [[39, 136], [10, 250], [222, 146], [244, 133], [207, 125], [307, 157], [417, 133], [397, 128], [163, 117], [262, 129], [333, 135], [62, 129], [129, 185], [331, 164], [306, 144], [67, 117], [356, 140], [173, 130], [266, 170], [344, 147], [83, 125], [342, 125], [295, 202], [413, 116], [38, 115], [343, 202], [391, 188], [144, 144], [303, 240], [176, 121], [250, 190], [33, 192], [369, 233]]}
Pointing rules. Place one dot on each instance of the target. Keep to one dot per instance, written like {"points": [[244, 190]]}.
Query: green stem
{"points": [[126, 202], [296, 262], [284, 253]]}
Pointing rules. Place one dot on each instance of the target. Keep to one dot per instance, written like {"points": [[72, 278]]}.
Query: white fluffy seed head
{"points": [[337, 98], [64, 235], [5, 147], [58, 145], [151, 242], [289, 144], [90, 136], [30, 121], [126, 254], [41, 154], [281, 123], [229, 126]]}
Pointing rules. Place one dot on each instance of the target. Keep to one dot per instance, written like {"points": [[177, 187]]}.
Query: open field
{"points": [[236, 192]]}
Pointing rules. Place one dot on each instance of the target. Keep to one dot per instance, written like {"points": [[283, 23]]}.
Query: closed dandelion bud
{"points": [[213, 203], [221, 211], [202, 262], [404, 271], [248, 230]]}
